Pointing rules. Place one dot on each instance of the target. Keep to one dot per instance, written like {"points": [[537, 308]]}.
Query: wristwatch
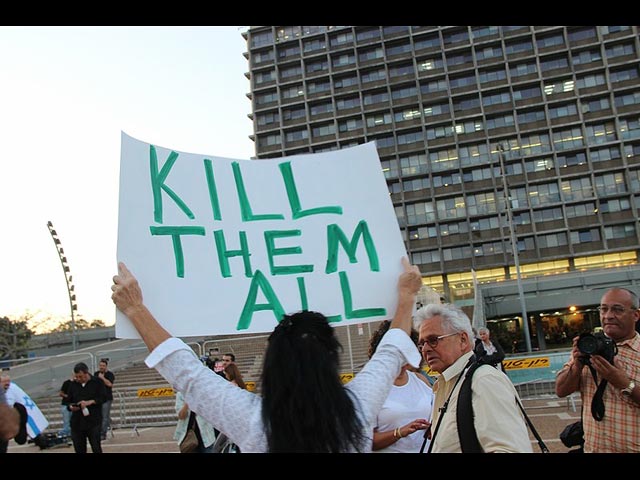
{"points": [[629, 389]]}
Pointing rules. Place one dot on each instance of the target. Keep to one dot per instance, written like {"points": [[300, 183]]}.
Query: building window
{"points": [[418, 213], [539, 164], [527, 92], [500, 122], [550, 41], [377, 97], [561, 86], [293, 113], [268, 118], [619, 50], [451, 208], [601, 133], [595, 105], [369, 34], [610, 184], [345, 81], [586, 56], [523, 69], [605, 154], [347, 103], [519, 47], [563, 110], [314, 45], [371, 54], [390, 168], [553, 63], [629, 128], [626, 230], [492, 75], [413, 164], [581, 210], [318, 87], [427, 64], [438, 109], [433, 86], [547, 215], [531, 116], [571, 138], [349, 125], [543, 194], [581, 34], [379, 119], [552, 240], [572, 159], [323, 130], [591, 80], [577, 189], [407, 114], [625, 74], [269, 140], [292, 92], [489, 52], [319, 108], [406, 92], [374, 75], [296, 135], [268, 97], [622, 100], [440, 161], [615, 205], [427, 41]]}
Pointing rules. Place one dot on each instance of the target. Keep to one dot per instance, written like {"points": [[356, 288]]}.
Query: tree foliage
{"points": [[81, 324], [14, 338]]}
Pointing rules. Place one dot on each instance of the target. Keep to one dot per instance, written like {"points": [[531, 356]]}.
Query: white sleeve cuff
{"points": [[166, 348], [403, 342]]}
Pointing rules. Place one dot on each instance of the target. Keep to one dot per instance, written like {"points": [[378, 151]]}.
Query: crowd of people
{"points": [[390, 405]]}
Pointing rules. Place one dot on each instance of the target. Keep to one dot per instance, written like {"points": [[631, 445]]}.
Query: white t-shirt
{"points": [[403, 405]]}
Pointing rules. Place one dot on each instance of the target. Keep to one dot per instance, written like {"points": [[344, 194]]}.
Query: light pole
{"points": [[70, 288], [514, 247]]}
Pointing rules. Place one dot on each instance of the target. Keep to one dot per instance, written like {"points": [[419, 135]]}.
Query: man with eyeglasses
{"points": [[618, 430], [446, 343]]}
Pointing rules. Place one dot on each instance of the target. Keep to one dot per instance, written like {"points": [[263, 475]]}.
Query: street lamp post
{"points": [[69, 280], [514, 247]]}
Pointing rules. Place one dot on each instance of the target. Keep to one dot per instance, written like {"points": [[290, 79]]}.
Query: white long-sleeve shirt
{"points": [[238, 412]]}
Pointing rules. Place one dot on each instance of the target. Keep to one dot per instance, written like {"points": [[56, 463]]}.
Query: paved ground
{"points": [[549, 416]]}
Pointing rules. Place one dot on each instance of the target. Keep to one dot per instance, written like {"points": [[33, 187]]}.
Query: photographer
{"points": [[610, 415]]}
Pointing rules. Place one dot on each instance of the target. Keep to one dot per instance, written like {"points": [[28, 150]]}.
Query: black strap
{"points": [[464, 415], [543, 447], [597, 403], [444, 407]]}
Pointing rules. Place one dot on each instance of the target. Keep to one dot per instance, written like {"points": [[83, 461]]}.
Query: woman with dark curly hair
{"points": [[406, 410], [304, 407]]}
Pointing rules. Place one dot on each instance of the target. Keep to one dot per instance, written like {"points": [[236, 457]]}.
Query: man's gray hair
{"points": [[484, 330], [453, 318]]}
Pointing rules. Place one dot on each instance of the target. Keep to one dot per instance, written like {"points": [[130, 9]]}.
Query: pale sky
{"points": [[66, 93]]}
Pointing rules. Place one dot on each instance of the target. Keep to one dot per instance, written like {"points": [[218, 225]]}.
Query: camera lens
{"points": [[588, 345]]}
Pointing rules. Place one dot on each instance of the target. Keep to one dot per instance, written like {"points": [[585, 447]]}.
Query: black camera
{"points": [[596, 344]]}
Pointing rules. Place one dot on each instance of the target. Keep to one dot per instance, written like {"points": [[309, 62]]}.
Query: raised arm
{"points": [[409, 284], [127, 296]]}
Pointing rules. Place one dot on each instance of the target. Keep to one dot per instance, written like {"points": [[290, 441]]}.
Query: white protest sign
{"points": [[224, 246]]}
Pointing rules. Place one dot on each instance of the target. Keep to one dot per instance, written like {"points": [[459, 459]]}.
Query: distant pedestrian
{"points": [[64, 407], [108, 378]]}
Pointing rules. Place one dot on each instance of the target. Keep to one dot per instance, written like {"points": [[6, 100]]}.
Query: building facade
{"points": [[485, 134]]}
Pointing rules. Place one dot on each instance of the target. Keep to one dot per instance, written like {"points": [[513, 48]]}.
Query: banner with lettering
{"points": [[224, 246]]}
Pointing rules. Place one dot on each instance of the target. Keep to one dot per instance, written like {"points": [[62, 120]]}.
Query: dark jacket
{"points": [[494, 359], [94, 389]]}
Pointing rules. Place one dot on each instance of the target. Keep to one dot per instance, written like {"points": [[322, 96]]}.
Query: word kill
{"points": [[335, 238]]}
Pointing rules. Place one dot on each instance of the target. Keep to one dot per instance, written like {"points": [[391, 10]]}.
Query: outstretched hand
{"points": [[127, 294], [410, 280]]}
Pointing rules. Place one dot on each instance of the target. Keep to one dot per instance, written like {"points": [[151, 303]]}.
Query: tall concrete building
{"points": [[490, 137]]}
